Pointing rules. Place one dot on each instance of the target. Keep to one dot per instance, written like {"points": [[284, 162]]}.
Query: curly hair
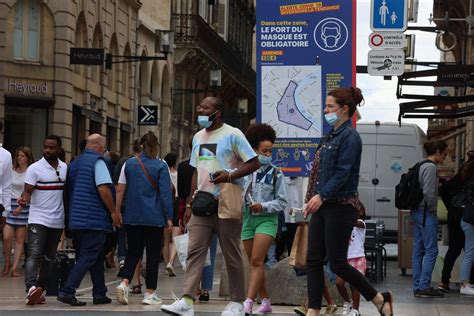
{"points": [[257, 133]]}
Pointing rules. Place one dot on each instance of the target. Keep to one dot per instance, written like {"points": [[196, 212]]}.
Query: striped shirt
{"points": [[46, 207]]}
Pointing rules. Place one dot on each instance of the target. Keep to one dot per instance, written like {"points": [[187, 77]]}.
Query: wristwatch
{"points": [[188, 205]]}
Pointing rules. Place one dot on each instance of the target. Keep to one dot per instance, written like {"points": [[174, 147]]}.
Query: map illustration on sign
{"points": [[291, 101]]}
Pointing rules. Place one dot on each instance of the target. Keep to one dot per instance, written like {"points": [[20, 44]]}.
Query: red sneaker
{"points": [[41, 300], [34, 294]]}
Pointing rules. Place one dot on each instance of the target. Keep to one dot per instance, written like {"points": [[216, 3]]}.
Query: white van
{"points": [[388, 150]]}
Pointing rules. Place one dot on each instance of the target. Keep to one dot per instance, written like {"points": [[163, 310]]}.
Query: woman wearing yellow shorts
{"points": [[265, 196]]}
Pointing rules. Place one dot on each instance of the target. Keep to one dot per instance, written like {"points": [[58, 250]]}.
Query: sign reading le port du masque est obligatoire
{"points": [[304, 49]]}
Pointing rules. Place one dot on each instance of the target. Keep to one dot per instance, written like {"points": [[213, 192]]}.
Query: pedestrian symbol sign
{"points": [[389, 15]]}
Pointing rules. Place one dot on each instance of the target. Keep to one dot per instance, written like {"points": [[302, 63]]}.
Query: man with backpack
{"points": [[418, 191]]}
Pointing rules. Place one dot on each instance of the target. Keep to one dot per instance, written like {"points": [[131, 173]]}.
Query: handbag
{"points": [[204, 204], [230, 201], [299, 248], [468, 213], [153, 183]]}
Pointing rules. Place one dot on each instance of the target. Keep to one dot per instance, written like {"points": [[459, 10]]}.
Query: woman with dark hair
{"points": [[17, 218], [425, 221], [148, 210], [334, 204], [265, 197]]}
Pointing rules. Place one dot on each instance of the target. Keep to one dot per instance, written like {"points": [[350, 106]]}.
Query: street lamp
{"points": [[215, 78], [165, 42], [215, 82]]}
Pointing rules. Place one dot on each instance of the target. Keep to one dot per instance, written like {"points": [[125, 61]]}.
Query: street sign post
{"points": [[382, 40], [387, 62], [147, 115], [389, 15], [86, 56]]}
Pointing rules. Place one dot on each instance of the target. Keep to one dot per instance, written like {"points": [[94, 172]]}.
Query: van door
{"points": [[367, 174], [392, 161]]}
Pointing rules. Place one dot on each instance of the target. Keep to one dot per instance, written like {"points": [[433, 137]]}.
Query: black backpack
{"points": [[408, 193]]}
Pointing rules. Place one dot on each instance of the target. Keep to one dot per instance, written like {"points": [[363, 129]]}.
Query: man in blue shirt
{"points": [[91, 216]]}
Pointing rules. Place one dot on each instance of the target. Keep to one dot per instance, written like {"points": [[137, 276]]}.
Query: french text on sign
{"points": [[386, 62], [380, 40]]}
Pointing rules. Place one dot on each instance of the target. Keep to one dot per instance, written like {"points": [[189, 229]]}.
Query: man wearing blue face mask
{"points": [[220, 153]]}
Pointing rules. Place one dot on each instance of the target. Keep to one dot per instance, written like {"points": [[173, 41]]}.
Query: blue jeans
{"points": [[425, 248], [468, 258], [42, 244], [208, 272], [89, 246], [271, 256]]}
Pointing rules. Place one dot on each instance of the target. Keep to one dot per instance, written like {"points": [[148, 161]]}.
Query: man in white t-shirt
{"points": [[44, 186], [220, 154], [5, 183]]}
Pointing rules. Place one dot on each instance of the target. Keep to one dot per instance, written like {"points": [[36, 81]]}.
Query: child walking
{"points": [[356, 258]]}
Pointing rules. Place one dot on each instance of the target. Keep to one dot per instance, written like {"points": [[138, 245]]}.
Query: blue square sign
{"points": [[389, 15]]}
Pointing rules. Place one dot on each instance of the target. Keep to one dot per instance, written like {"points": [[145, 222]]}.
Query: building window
{"points": [[26, 30]]}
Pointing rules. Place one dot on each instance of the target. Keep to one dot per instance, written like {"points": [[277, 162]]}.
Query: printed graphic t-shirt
{"points": [[225, 148]]}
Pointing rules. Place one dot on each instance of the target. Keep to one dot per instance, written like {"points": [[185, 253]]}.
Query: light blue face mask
{"points": [[331, 118], [206, 121], [264, 160]]}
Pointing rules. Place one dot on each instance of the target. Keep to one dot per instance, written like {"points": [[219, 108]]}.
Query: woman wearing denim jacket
{"points": [[265, 197], [146, 182], [333, 200]]}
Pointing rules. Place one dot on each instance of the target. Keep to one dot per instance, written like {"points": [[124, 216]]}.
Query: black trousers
{"points": [[139, 237], [456, 245], [330, 230]]}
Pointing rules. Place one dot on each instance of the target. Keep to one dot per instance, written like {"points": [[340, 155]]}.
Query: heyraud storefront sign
{"points": [[28, 87]]}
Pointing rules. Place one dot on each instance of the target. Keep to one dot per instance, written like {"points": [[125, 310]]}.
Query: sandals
{"points": [[387, 299], [137, 289], [15, 274]]}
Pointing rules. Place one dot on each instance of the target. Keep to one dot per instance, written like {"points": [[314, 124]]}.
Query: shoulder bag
{"points": [[147, 175]]}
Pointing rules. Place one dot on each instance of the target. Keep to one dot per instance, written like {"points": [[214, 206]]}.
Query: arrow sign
{"points": [[147, 115]]}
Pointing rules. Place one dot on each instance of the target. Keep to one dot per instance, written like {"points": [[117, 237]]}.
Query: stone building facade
{"points": [[42, 93]]}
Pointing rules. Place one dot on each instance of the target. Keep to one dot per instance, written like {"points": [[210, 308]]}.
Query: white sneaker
{"points": [[151, 299], [466, 290], [121, 293], [354, 312], [170, 270], [179, 307], [233, 309], [346, 308]]}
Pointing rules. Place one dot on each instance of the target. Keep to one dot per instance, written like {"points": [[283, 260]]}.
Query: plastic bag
{"points": [[181, 242]]}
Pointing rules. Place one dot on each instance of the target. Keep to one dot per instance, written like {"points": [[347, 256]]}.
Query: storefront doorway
{"points": [[26, 126]]}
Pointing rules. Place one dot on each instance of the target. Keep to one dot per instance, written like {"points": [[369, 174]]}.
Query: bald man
{"points": [[91, 216]]}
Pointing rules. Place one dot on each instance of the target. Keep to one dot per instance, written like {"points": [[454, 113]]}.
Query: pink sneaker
{"points": [[265, 307], [248, 306]]}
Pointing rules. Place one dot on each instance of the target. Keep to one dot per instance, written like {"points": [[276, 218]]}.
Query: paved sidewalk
{"points": [[12, 299]]}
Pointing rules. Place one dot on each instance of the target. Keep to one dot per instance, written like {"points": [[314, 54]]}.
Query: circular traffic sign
{"points": [[376, 40]]}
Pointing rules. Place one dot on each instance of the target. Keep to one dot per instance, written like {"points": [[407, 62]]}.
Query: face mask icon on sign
{"points": [[331, 34]]}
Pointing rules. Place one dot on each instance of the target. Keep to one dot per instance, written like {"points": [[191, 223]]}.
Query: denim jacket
{"points": [[340, 163], [270, 192]]}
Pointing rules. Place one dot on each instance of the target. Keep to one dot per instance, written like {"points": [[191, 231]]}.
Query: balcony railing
{"points": [[192, 31]]}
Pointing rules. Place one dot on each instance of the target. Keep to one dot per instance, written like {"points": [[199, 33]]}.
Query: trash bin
{"points": [[405, 240]]}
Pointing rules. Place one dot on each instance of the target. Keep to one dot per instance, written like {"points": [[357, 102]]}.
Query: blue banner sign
{"points": [[304, 50]]}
